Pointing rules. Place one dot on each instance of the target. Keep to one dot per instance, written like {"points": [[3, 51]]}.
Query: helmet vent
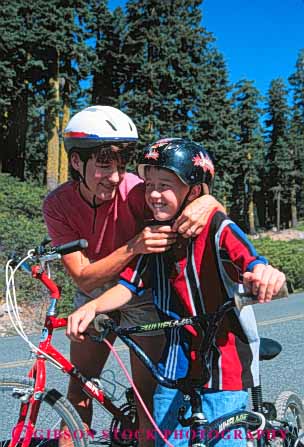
{"points": [[112, 125], [130, 126]]}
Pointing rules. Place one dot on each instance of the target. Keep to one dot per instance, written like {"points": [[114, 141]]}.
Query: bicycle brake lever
{"points": [[46, 241], [102, 324], [14, 258]]}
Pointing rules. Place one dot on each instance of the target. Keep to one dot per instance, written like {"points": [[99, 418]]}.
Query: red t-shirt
{"points": [[107, 227]]}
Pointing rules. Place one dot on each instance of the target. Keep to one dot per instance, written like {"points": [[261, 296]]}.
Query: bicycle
{"points": [[41, 410], [31, 395], [279, 424]]}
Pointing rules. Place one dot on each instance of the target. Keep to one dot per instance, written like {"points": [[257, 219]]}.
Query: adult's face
{"points": [[101, 174]]}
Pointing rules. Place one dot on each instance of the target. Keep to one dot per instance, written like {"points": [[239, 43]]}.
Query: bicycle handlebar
{"points": [[209, 324], [64, 249], [102, 322], [71, 247], [41, 253], [242, 299]]}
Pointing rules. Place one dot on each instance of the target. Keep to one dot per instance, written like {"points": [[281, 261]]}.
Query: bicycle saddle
{"points": [[269, 348]]}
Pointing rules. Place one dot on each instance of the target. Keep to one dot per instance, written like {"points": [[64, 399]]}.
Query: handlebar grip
{"points": [[70, 247], [242, 299], [100, 322]]}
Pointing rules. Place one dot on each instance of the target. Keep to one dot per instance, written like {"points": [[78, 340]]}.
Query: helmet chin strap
{"points": [[83, 177], [83, 181]]}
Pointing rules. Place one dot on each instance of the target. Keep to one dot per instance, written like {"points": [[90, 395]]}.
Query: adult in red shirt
{"points": [[105, 205]]}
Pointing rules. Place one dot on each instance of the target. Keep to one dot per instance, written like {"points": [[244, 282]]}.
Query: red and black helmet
{"points": [[187, 159]]}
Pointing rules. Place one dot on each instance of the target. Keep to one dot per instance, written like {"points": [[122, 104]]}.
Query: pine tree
{"points": [[249, 160], [43, 59], [163, 50], [60, 49], [106, 30], [15, 65], [279, 161], [297, 135], [213, 122]]}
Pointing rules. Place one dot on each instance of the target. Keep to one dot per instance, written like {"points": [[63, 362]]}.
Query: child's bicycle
{"points": [[31, 414], [40, 411], [278, 424]]}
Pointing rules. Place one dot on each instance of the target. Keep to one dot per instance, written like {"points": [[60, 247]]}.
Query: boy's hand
{"points": [[195, 216], [265, 281], [79, 320], [156, 239]]}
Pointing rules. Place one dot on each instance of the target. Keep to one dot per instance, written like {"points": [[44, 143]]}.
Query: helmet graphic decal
{"points": [[187, 159], [80, 135], [162, 142], [152, 154], [204, 162]]}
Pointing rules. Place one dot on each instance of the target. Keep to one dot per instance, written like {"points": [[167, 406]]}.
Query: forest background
{"points": [[158, 63]]}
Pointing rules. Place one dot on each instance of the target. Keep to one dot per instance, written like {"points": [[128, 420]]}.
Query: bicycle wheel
{"points": [[54, 409], [290, 410]]}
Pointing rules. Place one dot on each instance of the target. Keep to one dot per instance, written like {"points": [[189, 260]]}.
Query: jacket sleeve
{"points": [[237, 252], [136, 277]]}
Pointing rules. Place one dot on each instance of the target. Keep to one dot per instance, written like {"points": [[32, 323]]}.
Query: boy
{"points": [[193, 278]]}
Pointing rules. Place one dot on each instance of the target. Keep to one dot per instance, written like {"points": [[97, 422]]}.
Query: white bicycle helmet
{"points": [[96, 125]]}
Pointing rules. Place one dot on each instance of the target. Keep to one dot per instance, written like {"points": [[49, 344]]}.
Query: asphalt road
{"points": [[282, 320]]}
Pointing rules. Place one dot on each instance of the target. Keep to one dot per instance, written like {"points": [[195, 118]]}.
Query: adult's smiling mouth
{"points": [[108, 187]]}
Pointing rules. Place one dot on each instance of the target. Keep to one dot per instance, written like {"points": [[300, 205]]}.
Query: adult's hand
{"points": [[195, 216], [265, 281], [79, 320], [156, 239]]}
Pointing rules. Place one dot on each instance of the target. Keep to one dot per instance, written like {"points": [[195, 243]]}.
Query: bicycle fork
{"points": [[196, 421], [30, 405]]}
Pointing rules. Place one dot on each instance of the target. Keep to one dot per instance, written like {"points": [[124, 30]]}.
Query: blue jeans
{"points": [[215, 403]]}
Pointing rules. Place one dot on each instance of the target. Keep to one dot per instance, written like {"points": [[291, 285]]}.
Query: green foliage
{"points": [[297, 128], [300, 226], [40, 43], [22, 228], [248, 162], [285, 255], [107, 31], [164, 49], [214, 123], [279, 158]]}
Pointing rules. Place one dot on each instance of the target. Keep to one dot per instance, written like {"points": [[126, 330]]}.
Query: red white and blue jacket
{"points": [[194, 278]]}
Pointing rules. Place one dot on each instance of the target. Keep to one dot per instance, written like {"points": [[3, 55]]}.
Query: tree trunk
{"points": [[64, 163], [293, 205], [251, 215], [53, 127]]}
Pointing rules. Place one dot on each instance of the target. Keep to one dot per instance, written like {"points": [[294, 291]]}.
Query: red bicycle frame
{"points": [[29, 410]]}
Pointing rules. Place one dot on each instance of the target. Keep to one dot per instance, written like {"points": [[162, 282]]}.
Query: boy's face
{"points": [[165, 192]]}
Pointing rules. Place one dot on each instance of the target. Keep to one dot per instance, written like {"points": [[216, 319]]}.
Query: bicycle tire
{"points": [[54, 409], [290, 409]]}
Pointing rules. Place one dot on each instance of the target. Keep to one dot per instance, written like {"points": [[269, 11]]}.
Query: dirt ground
{"points": [[284, 235], [32, 318]]}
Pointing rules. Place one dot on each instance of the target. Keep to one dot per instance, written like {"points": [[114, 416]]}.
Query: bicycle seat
{"points": [[269, 348]]}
